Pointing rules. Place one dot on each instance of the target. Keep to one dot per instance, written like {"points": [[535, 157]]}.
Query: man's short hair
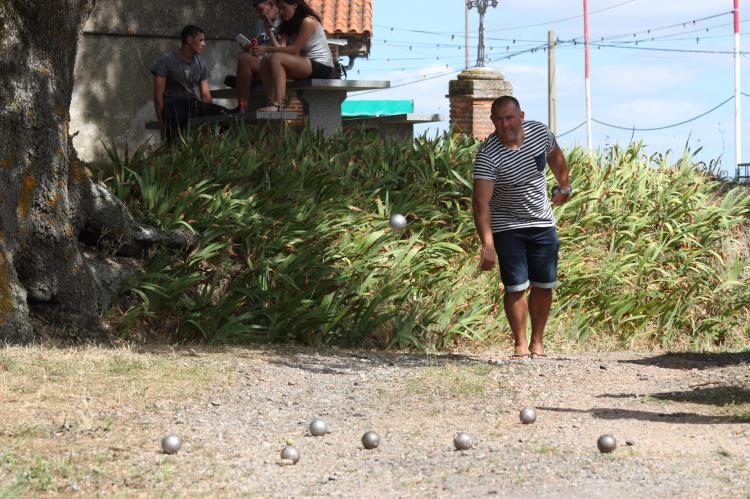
{"points": [[504, 101], [258, 2], [190, 30]]}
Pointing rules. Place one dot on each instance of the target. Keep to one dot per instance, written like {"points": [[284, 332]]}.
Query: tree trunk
{"points": [[48, 200]]}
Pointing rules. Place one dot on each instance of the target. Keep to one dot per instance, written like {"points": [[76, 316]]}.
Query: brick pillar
{"points": [[471, 96]]}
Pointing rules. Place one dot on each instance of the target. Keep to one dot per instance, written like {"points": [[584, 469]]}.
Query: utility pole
{"points": [[551, 93], [737, 96], [588, 69], [481, 6], [466, 44]]}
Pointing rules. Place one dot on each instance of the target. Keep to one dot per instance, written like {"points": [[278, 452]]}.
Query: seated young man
{"points": [[181, 85], [248, 65]]}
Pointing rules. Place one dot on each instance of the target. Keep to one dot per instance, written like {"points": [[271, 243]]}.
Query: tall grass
{"points": [[295, 244]]}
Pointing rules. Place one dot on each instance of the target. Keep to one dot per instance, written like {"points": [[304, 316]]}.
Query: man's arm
{"points": [[483, 221], [160, 83], [559, 167], [205, 92]]}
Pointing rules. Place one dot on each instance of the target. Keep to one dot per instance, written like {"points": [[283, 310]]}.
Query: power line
{"points": [[660, 49], [676, 25], [512, 28], [633, 128], [445, 73], [563, 19], [571, 130]]}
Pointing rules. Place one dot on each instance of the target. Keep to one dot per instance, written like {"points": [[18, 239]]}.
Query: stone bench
{"points": [[321, 98], [232, 118], [399, 126]]}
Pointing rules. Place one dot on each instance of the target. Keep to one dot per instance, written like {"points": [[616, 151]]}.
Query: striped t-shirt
{"points": [[519, 199]]}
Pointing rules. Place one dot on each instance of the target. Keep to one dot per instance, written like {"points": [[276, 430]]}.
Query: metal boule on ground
{"points": [[370, 440], [606, 444], [527, 415], [171, 444], [462, 441], [318, 427], [290, 453]]}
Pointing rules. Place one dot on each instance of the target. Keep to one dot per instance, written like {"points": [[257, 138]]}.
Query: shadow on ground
{"points": [[340, 362], [717, 395], [693, 360], [653, 417]]}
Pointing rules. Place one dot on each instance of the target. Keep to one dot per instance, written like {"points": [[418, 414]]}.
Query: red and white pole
{"points": [[737, 90], [588, 73]]}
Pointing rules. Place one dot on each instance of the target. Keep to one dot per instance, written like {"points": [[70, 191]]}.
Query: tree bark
{"points": [[48, 199]]}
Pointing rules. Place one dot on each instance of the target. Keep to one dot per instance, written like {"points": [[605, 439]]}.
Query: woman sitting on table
{"points": [[302, 53]]}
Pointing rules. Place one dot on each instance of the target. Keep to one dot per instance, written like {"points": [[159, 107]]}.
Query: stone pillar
{"points": [[471, 96]]}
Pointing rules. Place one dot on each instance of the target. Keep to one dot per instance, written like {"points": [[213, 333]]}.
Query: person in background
{"points": [[303, 52], [248, 65], [181, 85]]}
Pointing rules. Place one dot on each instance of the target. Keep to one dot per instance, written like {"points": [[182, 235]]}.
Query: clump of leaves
{"points": [[295, 243]]}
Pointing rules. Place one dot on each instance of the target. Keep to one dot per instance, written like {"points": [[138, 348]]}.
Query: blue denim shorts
{"points": [[527, 257]]}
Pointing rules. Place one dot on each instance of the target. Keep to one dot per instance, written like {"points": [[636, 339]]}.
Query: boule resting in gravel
{"points": [[514, 218]]}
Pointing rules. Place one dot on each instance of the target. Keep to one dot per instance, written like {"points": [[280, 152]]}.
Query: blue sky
{"points": [[634, 86]]}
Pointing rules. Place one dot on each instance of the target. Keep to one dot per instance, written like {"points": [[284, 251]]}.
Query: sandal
{"points": [[271, 108], [535, 355]]}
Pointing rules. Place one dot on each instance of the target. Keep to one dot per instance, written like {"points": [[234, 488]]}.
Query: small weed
{"points": [[7, 363], [29, 430], [165, 472], [37, 477], [547, 450], [121, 367], [724, 453], [452, 380]]}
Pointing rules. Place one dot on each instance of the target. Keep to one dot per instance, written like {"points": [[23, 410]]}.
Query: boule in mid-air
{"points": [[370, 440], [171, 444], [290, 453], [398, 221], [606, 444], [527, 415], [318, 427], [462, 441]]}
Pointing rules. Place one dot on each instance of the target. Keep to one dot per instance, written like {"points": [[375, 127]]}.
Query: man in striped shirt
{"points": [[514, 218]]}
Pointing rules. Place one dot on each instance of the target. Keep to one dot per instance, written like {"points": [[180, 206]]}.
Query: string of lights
{"points": [[653, 129]]}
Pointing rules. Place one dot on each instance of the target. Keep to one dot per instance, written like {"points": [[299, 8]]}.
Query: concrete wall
{"points": [[112, 96]]}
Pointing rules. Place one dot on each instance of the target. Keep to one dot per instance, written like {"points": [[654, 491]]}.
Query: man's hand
{"points": [[487, 257], [559, 198]]}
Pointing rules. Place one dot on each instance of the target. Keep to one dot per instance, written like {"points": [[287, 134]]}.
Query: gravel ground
{"points": [[682, 424], [686, 418]]}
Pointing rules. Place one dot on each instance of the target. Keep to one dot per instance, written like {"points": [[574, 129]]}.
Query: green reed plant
{"points": [[295, 244]]}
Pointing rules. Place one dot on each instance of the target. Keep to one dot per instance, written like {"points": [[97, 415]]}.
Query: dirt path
{"points": [[89, 421]]}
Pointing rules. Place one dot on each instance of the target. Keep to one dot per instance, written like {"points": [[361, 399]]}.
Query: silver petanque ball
{"points": [[318, 427], [606, 444], [462, 441], [527, 415], [171, 444], [370, 440], [290, 453], [398, 221]]}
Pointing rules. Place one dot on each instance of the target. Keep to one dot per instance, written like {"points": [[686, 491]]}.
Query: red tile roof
{"points": [[345, 16]]}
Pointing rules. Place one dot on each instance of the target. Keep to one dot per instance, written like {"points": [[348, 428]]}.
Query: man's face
{"points": [[507, 120], [268, 9], [197, 43]]}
